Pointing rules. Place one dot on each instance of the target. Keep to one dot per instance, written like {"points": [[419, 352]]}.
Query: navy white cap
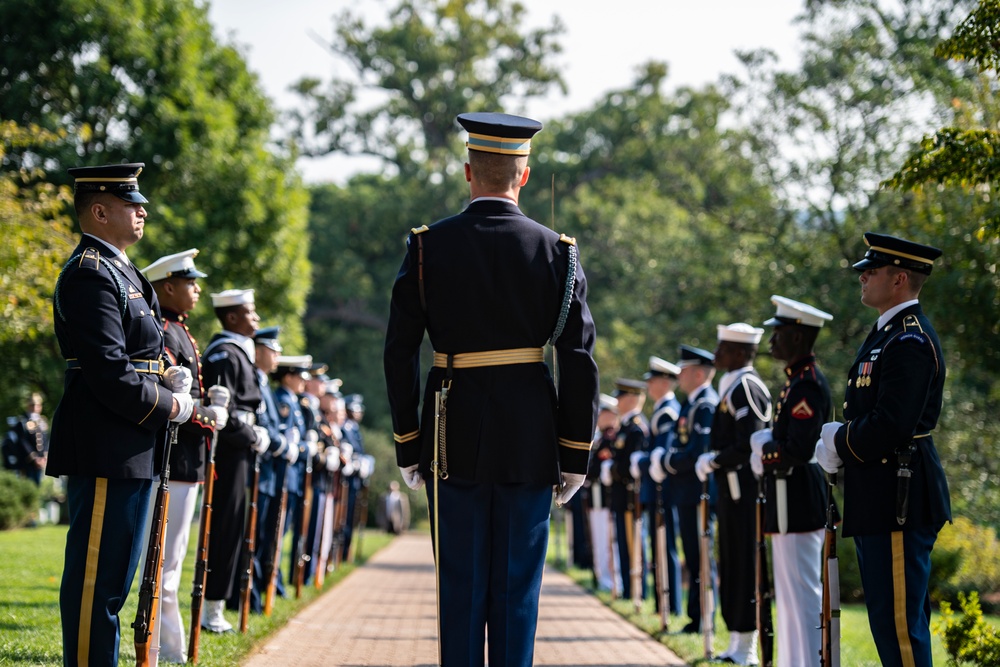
{"points": [[268, 337], [694, 356], [885, 250], [627, 386], [499, 132], [790, 311], [609, 403], [740, 332], [232, 297], [294, 364], [661, 368], [178, 265], [120, 180], [355, 402]]}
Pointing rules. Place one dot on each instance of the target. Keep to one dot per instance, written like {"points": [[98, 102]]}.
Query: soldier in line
{"points": [[661, 379], [689, 439], [229, 360], [744, 408], [26, 443], [117, 399], [795, 488], [175, 280], [490, 286], [633, 436], [325, 462], [597, 496], [290, 376], [895, 490], [355, 449]]}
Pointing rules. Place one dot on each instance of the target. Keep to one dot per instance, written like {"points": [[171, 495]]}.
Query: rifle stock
{"points": [[762, 593], [830, 620], [705, 572], [274, 558], [662, 571], [301, 557], [635, 551], [325, 537], [249, 547], [201, 558], [149, 591]]}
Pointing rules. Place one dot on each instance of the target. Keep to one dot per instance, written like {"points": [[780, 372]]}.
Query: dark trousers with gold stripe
{"points": [[106, 519], [895, 572], [493, 542]]}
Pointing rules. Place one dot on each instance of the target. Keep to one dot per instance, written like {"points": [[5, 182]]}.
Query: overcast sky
{"points": [[603, 45]]}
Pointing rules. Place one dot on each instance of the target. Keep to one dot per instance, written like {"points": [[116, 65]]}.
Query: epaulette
{"points": [[419, 230], [90, 258], [567, 239]]}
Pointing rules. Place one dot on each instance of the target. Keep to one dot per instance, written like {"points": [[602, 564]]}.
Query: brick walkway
{"points": [[383, 615]]}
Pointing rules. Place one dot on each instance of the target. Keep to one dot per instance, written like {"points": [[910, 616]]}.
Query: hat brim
{"points": [[868, 263], [133, 197], [271, 345]]}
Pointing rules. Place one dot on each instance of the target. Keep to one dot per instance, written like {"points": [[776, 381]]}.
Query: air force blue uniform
{"points": [[491, 280]]}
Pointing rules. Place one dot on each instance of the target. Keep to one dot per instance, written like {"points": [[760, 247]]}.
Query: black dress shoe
{"points": [[691, 629]]}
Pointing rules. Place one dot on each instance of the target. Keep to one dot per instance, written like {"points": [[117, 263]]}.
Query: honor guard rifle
{"points": [[201, 556], [274, 554], [146, 615], [762, 591], [635, 547], [830, 619], [325, 529], [301, 555], [662, 577], [363, 501], [706, 589], [249, 547], [339, 519]]}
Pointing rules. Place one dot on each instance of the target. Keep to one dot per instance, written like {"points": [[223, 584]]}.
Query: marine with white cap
{"points": [[744, 408], [229, 360], [596, 496], [795, 489]]}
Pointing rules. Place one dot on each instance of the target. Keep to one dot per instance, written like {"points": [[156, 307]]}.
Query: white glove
{"points": [[571, 483], [826, 455], [221, 416], [263, 440], [347, 449], [292, 453], [332, 455], [633, 464], [312, 437], [760, 438], [177, 379], [366, 466], [294, 437], [412, 478], [606, 472], [656, 469], [828, 434], [350, 467], [185, 404], [703, 466], [757, 463], [218, 395]]}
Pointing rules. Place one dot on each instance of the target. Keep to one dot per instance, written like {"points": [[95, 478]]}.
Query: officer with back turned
{"points": [[895, 492]]}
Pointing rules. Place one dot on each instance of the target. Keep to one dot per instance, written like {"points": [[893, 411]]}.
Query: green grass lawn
{"points": [[30, 633]]}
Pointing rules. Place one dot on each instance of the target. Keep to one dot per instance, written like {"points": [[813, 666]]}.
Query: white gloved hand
{"points": [[347, 449], [828, 434], [312, 437], [412, 477], [293, 436], [221, 416], [571, 483], [185, 406], [656, 469], [263, 440], [827, 457], [757, 463], [178, 380], [366, 466], [606, 472], [633, 464], [292, 453], [218, 395], [703, 466], [760, 438], [332, 455]]}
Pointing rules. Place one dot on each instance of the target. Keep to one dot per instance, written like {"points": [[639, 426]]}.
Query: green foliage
{"points": [[977, 547], [976, 37], [435, 59], [969, 639], [19, 500]]}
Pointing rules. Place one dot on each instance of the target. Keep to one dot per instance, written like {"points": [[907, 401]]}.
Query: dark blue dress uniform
{"points": [[352, 436], [107, 427], [290, 416], [690, 438], [227, 360], [633, 436], [661, 425], [493, 280], [891, 405], [25, 445], [745, 407]]}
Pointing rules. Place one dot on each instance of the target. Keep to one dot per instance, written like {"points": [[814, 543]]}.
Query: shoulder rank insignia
{"points": [[567, 239], [419, 230], [803, 410], [90, 258]]}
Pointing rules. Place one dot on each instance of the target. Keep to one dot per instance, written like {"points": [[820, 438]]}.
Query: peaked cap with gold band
{"points": [[884, 250], [499, 132], [120, 180]]}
